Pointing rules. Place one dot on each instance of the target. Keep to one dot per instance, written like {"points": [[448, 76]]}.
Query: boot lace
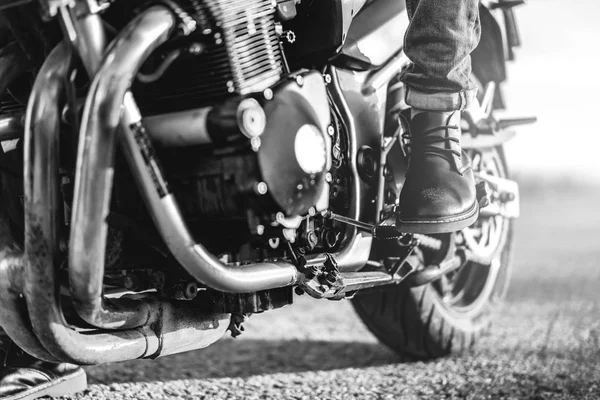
{"points": [[428, 143]]}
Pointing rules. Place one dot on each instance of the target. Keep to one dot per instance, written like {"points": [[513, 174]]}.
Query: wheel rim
{"points": [[467, 290]]}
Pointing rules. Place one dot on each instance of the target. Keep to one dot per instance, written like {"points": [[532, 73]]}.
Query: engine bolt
{"points": [[268, 94], [260, 230], [312, 211], [312, 239], [289, 36], [279, 217], [387, 173], [300, 80], [190, 290], [261, 188], [251, 118], [330, 130], [328, 177], [255, 143], [327, 78], [195, 49], [390, 197]]}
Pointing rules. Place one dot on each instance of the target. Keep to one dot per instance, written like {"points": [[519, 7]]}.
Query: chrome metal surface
{"points": [[377, 33], [363, 280], [41, 228], [349, 9], [11, 126], [109, 106], [13, 312], [94, 178], [86, 34], [384, 75], [248, 29], [168, 330], [345, 90], [178, 129], [506, 196], [362, 225], [165, 212]]}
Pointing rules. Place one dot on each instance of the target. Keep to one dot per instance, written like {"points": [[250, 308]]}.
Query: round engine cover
{"points": [[295, 149]]}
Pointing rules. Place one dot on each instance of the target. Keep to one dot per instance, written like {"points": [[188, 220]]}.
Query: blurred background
{"points": [[545, 342], [556, 77]]}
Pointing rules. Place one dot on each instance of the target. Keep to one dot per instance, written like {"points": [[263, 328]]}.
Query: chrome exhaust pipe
{"points": [[199, 263], [110, 105], [13, 313], [41, 228], [95, 170], [167, 329]]}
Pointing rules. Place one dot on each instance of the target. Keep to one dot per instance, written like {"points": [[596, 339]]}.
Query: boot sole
{"points": [[64, 386], [440, 225]]}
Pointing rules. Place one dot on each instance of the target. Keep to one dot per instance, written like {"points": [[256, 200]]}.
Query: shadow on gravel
{"points": [[243, 358]]}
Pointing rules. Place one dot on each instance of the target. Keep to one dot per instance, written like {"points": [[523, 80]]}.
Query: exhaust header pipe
{"points": [[109, 106], [168, 328], [130, 329]]}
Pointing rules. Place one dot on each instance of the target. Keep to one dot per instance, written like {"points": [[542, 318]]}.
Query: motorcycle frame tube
{"points": [[95, 169], [356, 249], [171, 329]]}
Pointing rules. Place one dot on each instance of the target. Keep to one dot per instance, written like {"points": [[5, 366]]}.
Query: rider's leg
{"points": [[439, 192]]}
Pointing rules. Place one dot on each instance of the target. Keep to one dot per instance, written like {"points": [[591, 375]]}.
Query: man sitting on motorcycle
{"points": [[439, 192]]}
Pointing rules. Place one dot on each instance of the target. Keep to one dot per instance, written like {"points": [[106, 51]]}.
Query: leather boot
{"points": [[438, 195], [23, 377]]}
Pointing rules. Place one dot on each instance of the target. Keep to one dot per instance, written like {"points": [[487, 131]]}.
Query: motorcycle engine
{"points": [[261, 188], [234, 51]]}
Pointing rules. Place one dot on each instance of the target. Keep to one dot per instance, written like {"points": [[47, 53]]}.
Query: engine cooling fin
{"points": [[241, 55]]}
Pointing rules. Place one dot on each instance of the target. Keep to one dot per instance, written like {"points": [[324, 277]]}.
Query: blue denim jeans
{"points": [[439, 40]]}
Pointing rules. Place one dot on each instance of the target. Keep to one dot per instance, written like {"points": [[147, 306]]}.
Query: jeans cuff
{"points": [[441, 101]]}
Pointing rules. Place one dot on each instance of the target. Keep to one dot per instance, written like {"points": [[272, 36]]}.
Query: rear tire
{"points": [[429, 322]]}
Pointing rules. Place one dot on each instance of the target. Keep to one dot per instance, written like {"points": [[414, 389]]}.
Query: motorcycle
{"points": [[268, 143]]}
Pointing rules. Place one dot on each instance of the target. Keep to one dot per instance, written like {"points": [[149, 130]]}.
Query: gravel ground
{"points": [[544, 343]]}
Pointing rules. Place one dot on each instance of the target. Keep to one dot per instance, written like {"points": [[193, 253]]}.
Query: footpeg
{"points": [[502, 195], [510, 122], [483, 194]]}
